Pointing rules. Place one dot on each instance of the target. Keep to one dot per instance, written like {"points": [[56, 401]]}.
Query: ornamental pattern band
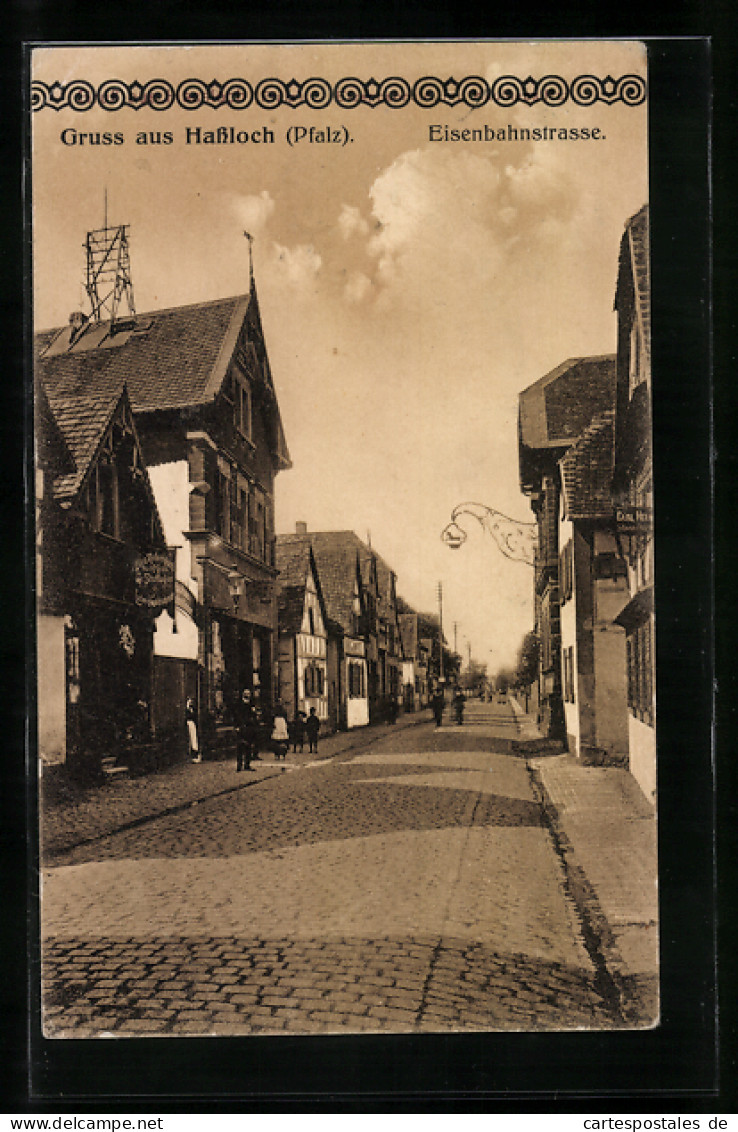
{"points": [[316, 93]]}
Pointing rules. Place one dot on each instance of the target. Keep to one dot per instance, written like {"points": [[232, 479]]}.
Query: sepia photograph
{"points": [[345, 625]]}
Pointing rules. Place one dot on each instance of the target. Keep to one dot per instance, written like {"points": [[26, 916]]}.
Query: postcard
{"points": [[345, 622]]}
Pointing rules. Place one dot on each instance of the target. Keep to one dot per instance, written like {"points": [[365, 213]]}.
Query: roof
{"points": [[175, 358], [634, 272], [52, 451], [168, 359], [586, 471], [555, 410], [83, 423], [293, 562], [336, 557]]}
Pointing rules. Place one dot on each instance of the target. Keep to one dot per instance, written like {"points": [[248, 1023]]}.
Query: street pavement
{"points": [[408, 882]]}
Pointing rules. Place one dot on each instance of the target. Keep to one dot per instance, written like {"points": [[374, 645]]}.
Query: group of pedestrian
{"points": [[250, 729], [438, 704]]}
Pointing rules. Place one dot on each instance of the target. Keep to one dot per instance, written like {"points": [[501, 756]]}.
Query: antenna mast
{"points": [[108, 279]]}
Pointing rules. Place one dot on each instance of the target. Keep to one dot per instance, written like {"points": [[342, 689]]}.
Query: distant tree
{"points": [[527, 667], [403, 606]]}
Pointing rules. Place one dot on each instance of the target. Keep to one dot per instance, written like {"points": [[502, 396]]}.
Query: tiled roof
{"points": [[634, 265], [335, 558], [293, 563], [586, 471], [52, 451], [558, 407], [176, 358], [83, 423]]}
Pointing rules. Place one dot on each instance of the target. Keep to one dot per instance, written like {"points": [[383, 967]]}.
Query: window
{"points": [[107, 498], [223, 505], [568, 675], [643, 500], [639, 652], [314, 680], [566, 571], [356, 682], [311, 620], [242, 407], [256, 523], [635, 356]]}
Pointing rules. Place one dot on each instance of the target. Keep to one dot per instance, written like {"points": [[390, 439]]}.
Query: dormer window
{"points": [[242, 407]]}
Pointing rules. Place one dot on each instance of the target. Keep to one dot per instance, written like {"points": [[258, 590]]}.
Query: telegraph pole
{"points": [[440, 629]]}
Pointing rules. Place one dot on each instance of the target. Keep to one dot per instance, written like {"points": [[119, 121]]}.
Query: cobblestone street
{"points": [[409, 885]]}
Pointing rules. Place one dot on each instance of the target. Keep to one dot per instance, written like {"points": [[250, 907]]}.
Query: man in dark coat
{"points": [[438, 703], [248, 725], [312, 727]]}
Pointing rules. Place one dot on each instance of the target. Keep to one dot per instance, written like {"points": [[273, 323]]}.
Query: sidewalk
{"points": [[73, 816], [606, 833]]}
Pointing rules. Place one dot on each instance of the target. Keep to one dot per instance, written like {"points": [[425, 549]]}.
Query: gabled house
{"points": [[205, 407], [364, 641], [383, 583], [592, 588], [303, 636], [553, 414], [633, 491], [103, 574], [416, 652], [336, 556]]}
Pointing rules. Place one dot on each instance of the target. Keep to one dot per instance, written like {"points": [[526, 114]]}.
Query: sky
{"points": [[409, 289]]}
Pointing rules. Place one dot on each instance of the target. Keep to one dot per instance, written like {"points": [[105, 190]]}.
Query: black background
{"points": [[679, 1066]]}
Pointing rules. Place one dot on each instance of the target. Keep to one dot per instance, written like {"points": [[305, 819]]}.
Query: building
{"points": [[103, 573], [553, 414], [337, 560], [633, 490], [592, 588], [303, 636], [365, 667], [384, 640], [415, 666], [205, 408]]}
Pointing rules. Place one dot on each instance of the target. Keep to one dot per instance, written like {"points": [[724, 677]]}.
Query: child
{"points": [[280, 736], [297, 729]]}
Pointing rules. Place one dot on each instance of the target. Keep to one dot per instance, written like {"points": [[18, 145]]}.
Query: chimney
{"points": [[301, 528]]}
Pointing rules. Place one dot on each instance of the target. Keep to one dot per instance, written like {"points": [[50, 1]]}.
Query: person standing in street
{"points": [[313, 728], [280, 734], [247, 731], [438, 703], [297, 731], [459, 700], [193, 738]]}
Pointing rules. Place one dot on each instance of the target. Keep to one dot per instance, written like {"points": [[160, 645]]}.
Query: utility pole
{"points": [[440, 629], [456, 625]]}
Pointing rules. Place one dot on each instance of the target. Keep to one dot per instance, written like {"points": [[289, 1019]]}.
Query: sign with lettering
{"points": [[154, 574], [633, 520]]}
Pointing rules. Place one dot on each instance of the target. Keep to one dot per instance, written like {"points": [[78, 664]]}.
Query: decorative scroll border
{"points": [[316, 93]]}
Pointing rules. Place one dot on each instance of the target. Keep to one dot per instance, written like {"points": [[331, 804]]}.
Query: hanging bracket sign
{"points": [[154, 573]]}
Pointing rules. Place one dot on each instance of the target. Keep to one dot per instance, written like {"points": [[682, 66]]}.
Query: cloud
{"points": [[358, 286], [351, 222], [298, 265], [455, 220], [254, 211]]}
